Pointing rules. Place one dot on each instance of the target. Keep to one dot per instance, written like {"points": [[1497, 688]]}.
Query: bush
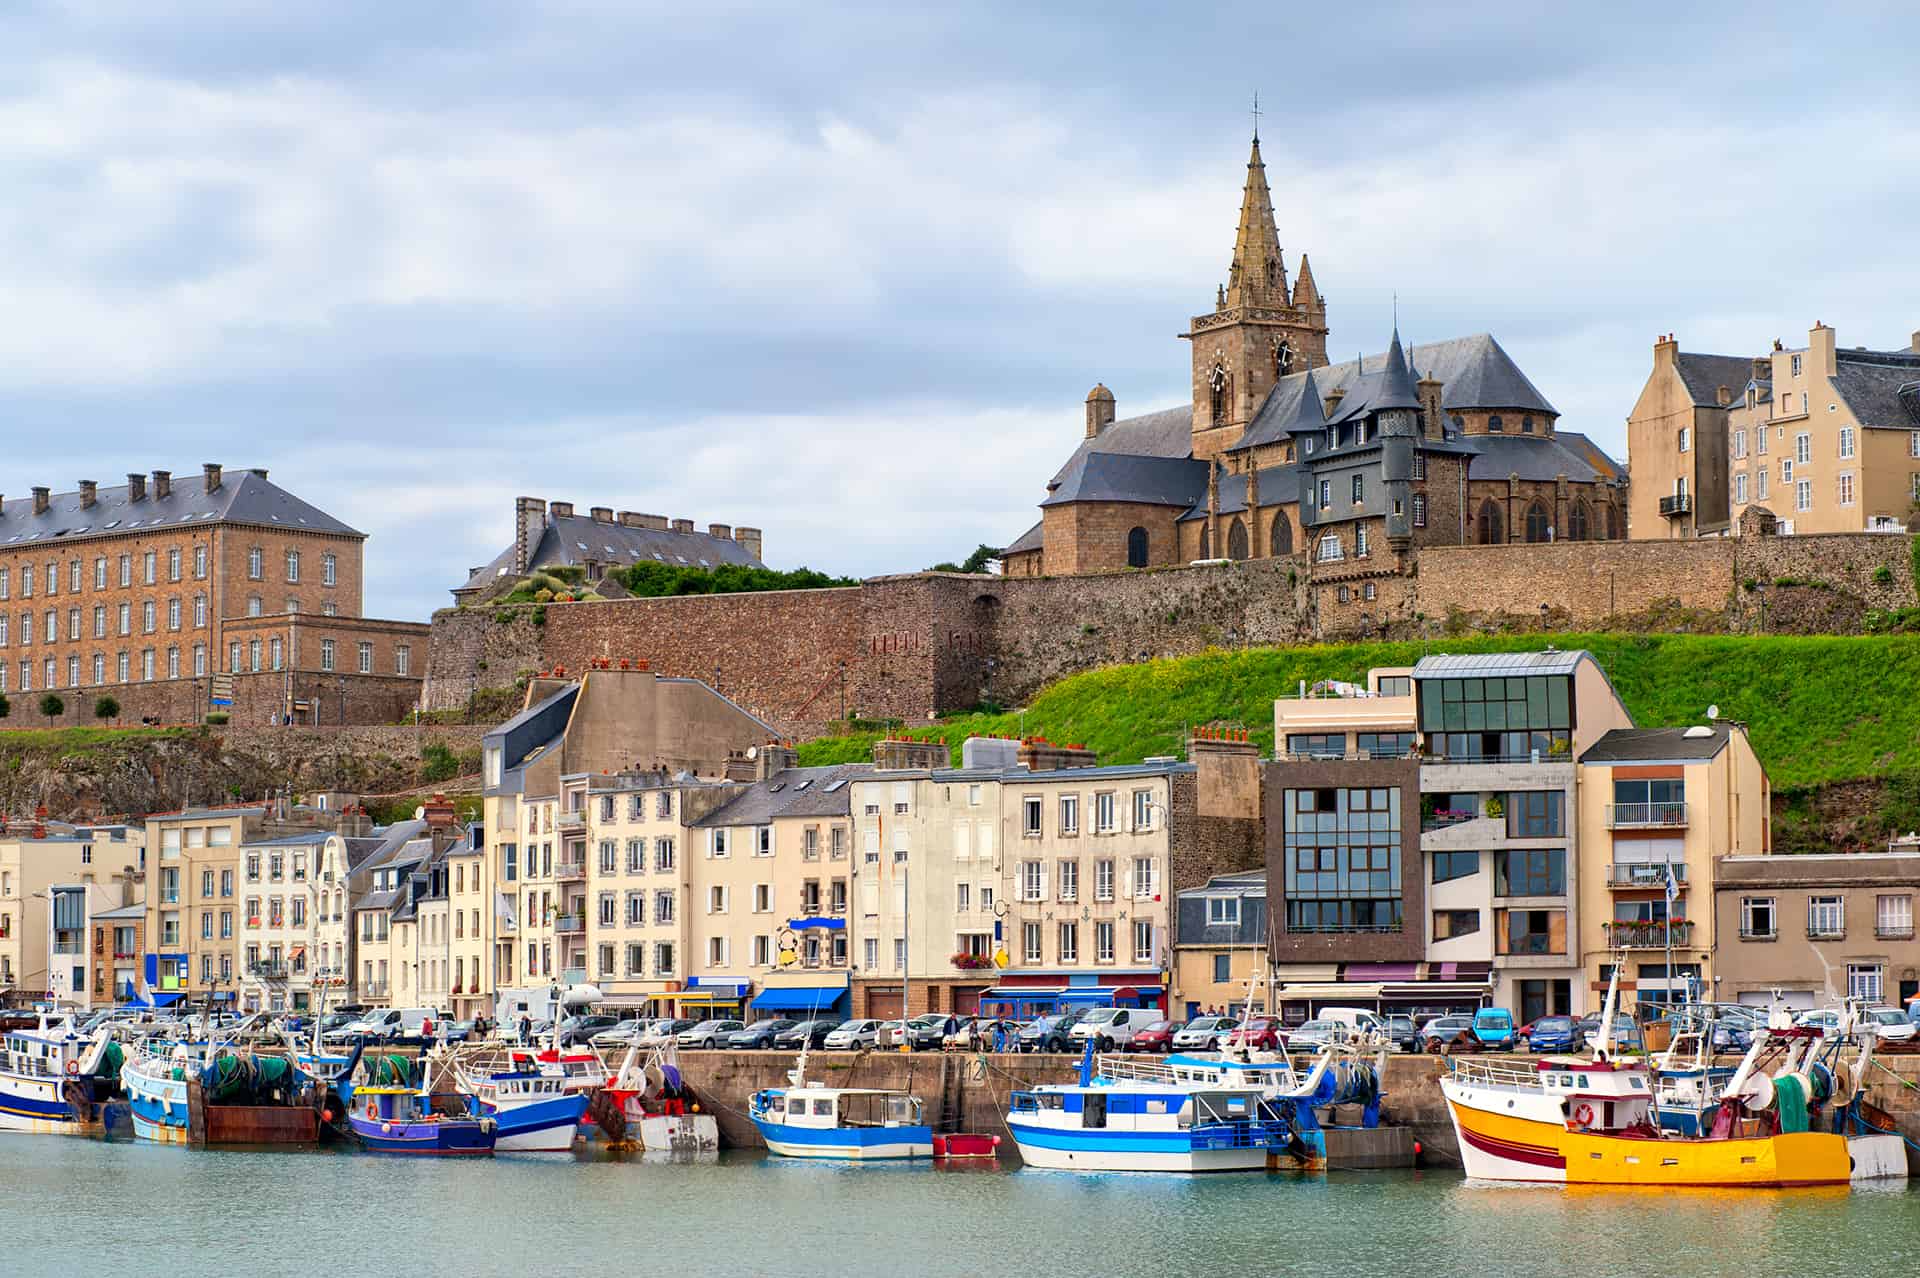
{"points": [[437, 763], [218, 717], [1883, 576], [106, 708], [650, 579], [52, 706]]}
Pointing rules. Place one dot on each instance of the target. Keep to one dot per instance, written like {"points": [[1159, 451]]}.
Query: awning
{"points": [[1437, 989], [821, 920], [719, 985], [1009, 993], [1331, 990], [1382, 972], [1307, 972], [800, 998], [704, 996]]}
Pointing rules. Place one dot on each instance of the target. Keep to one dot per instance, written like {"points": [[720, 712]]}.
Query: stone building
{"points": [[1825, 438], [549, 535], [148, 589], [1282, 452], [1811, 930]]}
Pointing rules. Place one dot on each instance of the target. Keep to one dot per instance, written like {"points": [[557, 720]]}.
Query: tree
{"points": [[979, 561], [52, 707], [106, 708]]}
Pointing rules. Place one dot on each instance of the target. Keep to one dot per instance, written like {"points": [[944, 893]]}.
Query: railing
{"points": [[1445, 818], [1642, 816], [1818, 932], [1678, 504], [569, 923], [1544, 756], [268, 969], [1337, 929], [1891, 933], [1487, 1074], [566, 869], [374, 989], [574, 820], [1644, 874], [68, 949], [1635, 934]]}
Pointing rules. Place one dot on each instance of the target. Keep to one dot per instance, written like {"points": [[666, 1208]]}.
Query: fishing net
{"points": [[1791, 1093]]}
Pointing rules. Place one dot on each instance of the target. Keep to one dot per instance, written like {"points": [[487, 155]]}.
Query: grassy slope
{"points": [[64, 740], [1819, 708]]}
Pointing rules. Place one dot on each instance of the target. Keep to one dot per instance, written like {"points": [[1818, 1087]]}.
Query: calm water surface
{"points": [[76, 1206]]}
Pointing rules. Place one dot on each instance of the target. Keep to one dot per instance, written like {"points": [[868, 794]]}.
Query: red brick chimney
{"points": [[439, 813]]}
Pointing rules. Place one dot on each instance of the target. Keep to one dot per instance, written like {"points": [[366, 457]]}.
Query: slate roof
{"points": [[574, 539], [796, 792], [1293, 405], [1639, 745], [1703, 375], [1881, 388], [1167, 432], [1540, 457], [1478, 372], [1153, 481], [1279, 486], [244, 497], [1031, 539]]}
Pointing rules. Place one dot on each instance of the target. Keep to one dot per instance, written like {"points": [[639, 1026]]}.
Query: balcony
{"points": [[1678, 504], [575, 820], [268, 970], [1646, 816], [1816, 932], [1644, 875], [1759, 934], [569, 924], [1468, 834], [569, 869], [1892, 933], [1644, 935]]}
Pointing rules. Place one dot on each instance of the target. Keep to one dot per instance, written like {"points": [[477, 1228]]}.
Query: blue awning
{"points": [[821, 920], [726, 984], [801, 998]]}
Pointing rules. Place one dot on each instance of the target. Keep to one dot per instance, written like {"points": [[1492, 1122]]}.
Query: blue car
{"points": [[1550, 1034], [1493, 1026]]}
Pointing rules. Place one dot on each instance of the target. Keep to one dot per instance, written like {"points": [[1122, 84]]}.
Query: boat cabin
{"points": [[833, 1107]]}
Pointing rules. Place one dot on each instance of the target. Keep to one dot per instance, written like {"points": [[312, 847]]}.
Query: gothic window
{"points": [[1539, 523], [1237, 540], [1206, 542], [1282, 358], [1137, 548], [1217, 383], [1526, 424], [1613, 524], [1491, 527], [1577, 522], [1280, 542]]}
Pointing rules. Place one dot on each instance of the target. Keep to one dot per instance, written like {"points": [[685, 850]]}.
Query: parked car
{"points": [[1048, 1034], [1402, 1033], [1111, 1027], [575, 1030], [853, 1034], [1548, 1034], [928, 1033], [624, 1034], [1445, 1033], [890, 1035], [1262, 1033], [1200, 1033], [1626, 1035], [1493, 1026], [982, 1035], [1157, 1036], [457, 1031], [1316, 1033], [1358, 1020], [805, 1033], [388, 1023], [760, 1033], [662, 1032], [1894, 1025], [709, 1034]]}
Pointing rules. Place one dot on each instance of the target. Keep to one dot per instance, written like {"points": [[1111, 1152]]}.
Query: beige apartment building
{"points": [[55, 882], [1810, 930], [1658, 804], [280, 918]]}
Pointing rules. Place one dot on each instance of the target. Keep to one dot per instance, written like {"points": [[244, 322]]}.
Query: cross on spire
{"points": [[1256, 115]]}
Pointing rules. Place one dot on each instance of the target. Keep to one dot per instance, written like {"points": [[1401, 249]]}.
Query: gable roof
{"points": [[1293, 405], [1881, 388], [1031, 539], [1540, 458], [794, 792], [1703, 375], [1477, 372], [1167, 432], [574, 539], [244, 497], [1153, 481]]}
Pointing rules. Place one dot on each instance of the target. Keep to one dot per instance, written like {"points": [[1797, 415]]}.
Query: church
{"points": [[1282, 452]]}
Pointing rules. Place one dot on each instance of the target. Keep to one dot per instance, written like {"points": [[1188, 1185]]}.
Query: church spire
{"points": [[1257, 275], [1306, 295]]}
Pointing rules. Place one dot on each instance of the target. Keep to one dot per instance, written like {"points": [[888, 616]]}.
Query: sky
{"points": [[846, 273]]}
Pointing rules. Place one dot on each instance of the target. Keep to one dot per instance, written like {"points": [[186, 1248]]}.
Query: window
{"points": [[146, 664], [173, 567], [1846, 441], [1740, 487], [99, 667], [254, 608], [1326, 494], [1796, 365], [1142, 941], [1103, 822], [1863, 982], [256, 563], [199, 563], [1419, 465], [1448, 866], [173, 663], [1069, 880], [663, 854], [1033, 881], [1531, 932], [1803, 495], [366, 658], [1490, 524], [1030, 815], [1451, 923], [1686, 438], [1803, 448], [1539, 526], [1069, 814], [663, 907], [1146, 879], [1329, 549], [1893, 918], [1223, 911], [1222, 968], [1360, 541], [403, 660], [1826, 918], [1419, 510], [1760, 479], [1536, 814], [199, 660], [274, 653], [1530, 872], [717, 899], [1142, 810], [121, 666], [326, 654], [293, 565], [1103, 942], [1786, 470], [1069, 942], [126, 619], [1740, 443], [1359, 489], [1845, 494]]}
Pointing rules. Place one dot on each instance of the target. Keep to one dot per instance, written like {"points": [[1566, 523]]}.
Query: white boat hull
{"points": [[680, 1134], [1052, 1157], [853, 1152], [1877, 1157]]}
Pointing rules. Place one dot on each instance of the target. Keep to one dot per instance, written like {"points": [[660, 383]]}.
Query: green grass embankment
{"points": [[1819, 709]]}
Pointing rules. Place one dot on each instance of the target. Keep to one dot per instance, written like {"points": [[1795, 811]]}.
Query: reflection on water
{"points": [[71, 1206]]}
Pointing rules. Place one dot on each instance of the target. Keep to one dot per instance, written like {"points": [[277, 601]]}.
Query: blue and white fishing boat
{"points": [[38, 1067], [534, 1110], [809, 1120], [1132, 1115], [155, 1079]]}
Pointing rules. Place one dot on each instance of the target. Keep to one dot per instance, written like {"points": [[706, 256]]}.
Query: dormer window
{"points": [[1526, 424], [1495, 425]]}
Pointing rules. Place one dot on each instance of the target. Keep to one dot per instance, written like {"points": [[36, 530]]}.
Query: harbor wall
{"points": [[965, 1092]]}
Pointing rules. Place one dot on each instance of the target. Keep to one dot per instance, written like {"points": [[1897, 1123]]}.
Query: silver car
{"points": [[1201, 1031], [853, 1034], [709, 1034]]}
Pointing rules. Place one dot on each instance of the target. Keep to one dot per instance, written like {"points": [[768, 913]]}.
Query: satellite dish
{"points": [[1713, 711]]}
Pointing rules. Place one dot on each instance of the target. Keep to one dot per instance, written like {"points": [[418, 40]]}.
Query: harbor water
{"points": [[70, 1206]]}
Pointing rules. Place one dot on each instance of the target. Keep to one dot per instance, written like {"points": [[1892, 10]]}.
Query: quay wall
{"points": [[965, 1092]]}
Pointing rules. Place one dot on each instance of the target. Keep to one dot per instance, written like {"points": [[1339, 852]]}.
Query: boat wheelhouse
{"points": [[37, 1066], [809, 1121]]}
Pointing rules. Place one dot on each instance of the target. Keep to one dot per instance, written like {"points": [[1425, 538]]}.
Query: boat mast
{"points": [[1603, 1041]]}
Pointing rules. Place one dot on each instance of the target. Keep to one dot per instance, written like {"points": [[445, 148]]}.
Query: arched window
{"points": [[1206, 542], [1137, 548], [1539, 523], [1526, 424], [1217, 389], [1495, 425], [1237, 539], [1280, 541], [1492, 528], [1613, 524], [1282, 358], [1577, 522]]}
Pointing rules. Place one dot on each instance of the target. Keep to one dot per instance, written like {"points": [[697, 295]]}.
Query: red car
{"points": [[1260, 1033], [1157, 1037]]}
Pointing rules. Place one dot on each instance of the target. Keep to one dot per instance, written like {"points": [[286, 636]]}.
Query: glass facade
{"points": [[1342, 850], [1497, 718]]}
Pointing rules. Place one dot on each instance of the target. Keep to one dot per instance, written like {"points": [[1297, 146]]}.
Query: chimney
{"points": [[162, 484], [88, 489], [603, 514], [774, 758], [529, 521], [438, 813], [1914, 344], [683, 525], [1762, 367], [1432, 411], [1820, 345], [560, 509], [656, 522], [722, 531], [1334, 397], [1666, 351], [629, 519], [40, 500], [901, 754], [748, 539], [136, 487], [1723, 396], [1042, 755], [257, 470], [212, 472], [1099, 409]]}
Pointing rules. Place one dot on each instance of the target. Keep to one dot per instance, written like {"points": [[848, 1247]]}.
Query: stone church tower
{"points": [[1258, 332]]}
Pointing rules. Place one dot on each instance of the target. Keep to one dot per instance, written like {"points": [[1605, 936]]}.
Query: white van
{"points": [[1358, 1020], [1112, 1027], [391, 1023]]}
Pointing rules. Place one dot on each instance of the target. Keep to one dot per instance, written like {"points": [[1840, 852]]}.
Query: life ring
{"points": [[1582, 1116], [373, 1109], [73, 1067]]}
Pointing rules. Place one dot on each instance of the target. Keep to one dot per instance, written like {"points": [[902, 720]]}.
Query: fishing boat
{"points": [[1344, 1072], [50, 1074], [155, 1078], [1687, 1085], [1592, 1121], [1135, 1115], [402, 1120], [646, 1104], [534, 1110], [810, 1120]]}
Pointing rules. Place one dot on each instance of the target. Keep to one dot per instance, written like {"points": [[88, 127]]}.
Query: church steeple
{"points": [[1257, 276]]}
